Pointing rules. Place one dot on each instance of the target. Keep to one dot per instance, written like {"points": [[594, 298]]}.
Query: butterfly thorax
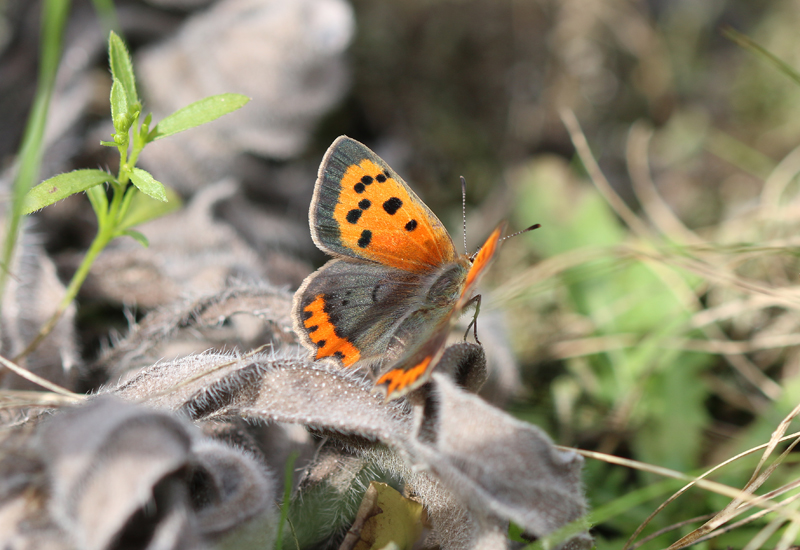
{"points": [[448, 284]]}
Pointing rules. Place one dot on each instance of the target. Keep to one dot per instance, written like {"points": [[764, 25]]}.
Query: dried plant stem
{"points": [[599, 180], [46, 384], [712, 486]]}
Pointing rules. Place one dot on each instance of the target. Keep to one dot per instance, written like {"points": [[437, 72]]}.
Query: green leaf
{"points": [[119, 107], [199, 112], [62, 186], [99, 200], [138, 236], [148, 185], [143, 208], [121, 66]]}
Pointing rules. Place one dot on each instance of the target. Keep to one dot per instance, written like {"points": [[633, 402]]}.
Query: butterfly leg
{"points": [[474, 323]]}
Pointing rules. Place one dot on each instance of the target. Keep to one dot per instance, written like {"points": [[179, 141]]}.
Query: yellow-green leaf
{"points": [[62, 186], [148, 185], [199, 112], [387, 519], [121, 67]]}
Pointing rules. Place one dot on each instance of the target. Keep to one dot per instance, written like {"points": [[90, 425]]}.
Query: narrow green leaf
{"points": [[143, 208], [138, 236], [62, 186], [121, 66], [148, 185], [287, 495], [758, 50], [54, 17], [119, 107], [199, 112], [99, 200]]}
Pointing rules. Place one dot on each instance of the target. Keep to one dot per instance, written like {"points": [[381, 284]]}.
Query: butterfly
{"points": [[396, 285]]}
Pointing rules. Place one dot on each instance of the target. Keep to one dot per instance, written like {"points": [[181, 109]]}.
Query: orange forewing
{"points": [[402, 234]]}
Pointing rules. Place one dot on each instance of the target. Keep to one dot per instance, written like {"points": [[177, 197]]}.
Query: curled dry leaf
{"points": [[461, 457], [110, 474]]}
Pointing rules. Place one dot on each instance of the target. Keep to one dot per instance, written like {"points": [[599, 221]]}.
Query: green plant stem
{"points": [[54, 15], [106, 232]]}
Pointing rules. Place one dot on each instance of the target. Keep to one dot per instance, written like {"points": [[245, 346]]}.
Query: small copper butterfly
{"points": [[396, 286]]}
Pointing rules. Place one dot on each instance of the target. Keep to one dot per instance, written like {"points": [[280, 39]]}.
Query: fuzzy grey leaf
{"points": [[232, 490], [104, 461], [496, 463], [247, 314], [277, 386]]}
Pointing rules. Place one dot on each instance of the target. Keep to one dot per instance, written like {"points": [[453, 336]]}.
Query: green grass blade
{"points": [[199, 112], [147, 184], [121, 67], [54, 16], [287, 495], [59, 187], [759, 51]]}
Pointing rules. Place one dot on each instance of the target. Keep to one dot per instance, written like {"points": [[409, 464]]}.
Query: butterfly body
{"points": [[396, 285]]}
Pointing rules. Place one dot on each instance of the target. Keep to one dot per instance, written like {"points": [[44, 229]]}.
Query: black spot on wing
{"points": [[364, 204], [392, 205], [353, 215], [411, 225], [365, 239], [359, 187]]}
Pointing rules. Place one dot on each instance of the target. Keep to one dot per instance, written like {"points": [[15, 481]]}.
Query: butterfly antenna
{"points": [[464, 210], [531, 228]]}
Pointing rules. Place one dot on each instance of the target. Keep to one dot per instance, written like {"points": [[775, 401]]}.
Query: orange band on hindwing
{"points": [[399, 379], [323, 333]]}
